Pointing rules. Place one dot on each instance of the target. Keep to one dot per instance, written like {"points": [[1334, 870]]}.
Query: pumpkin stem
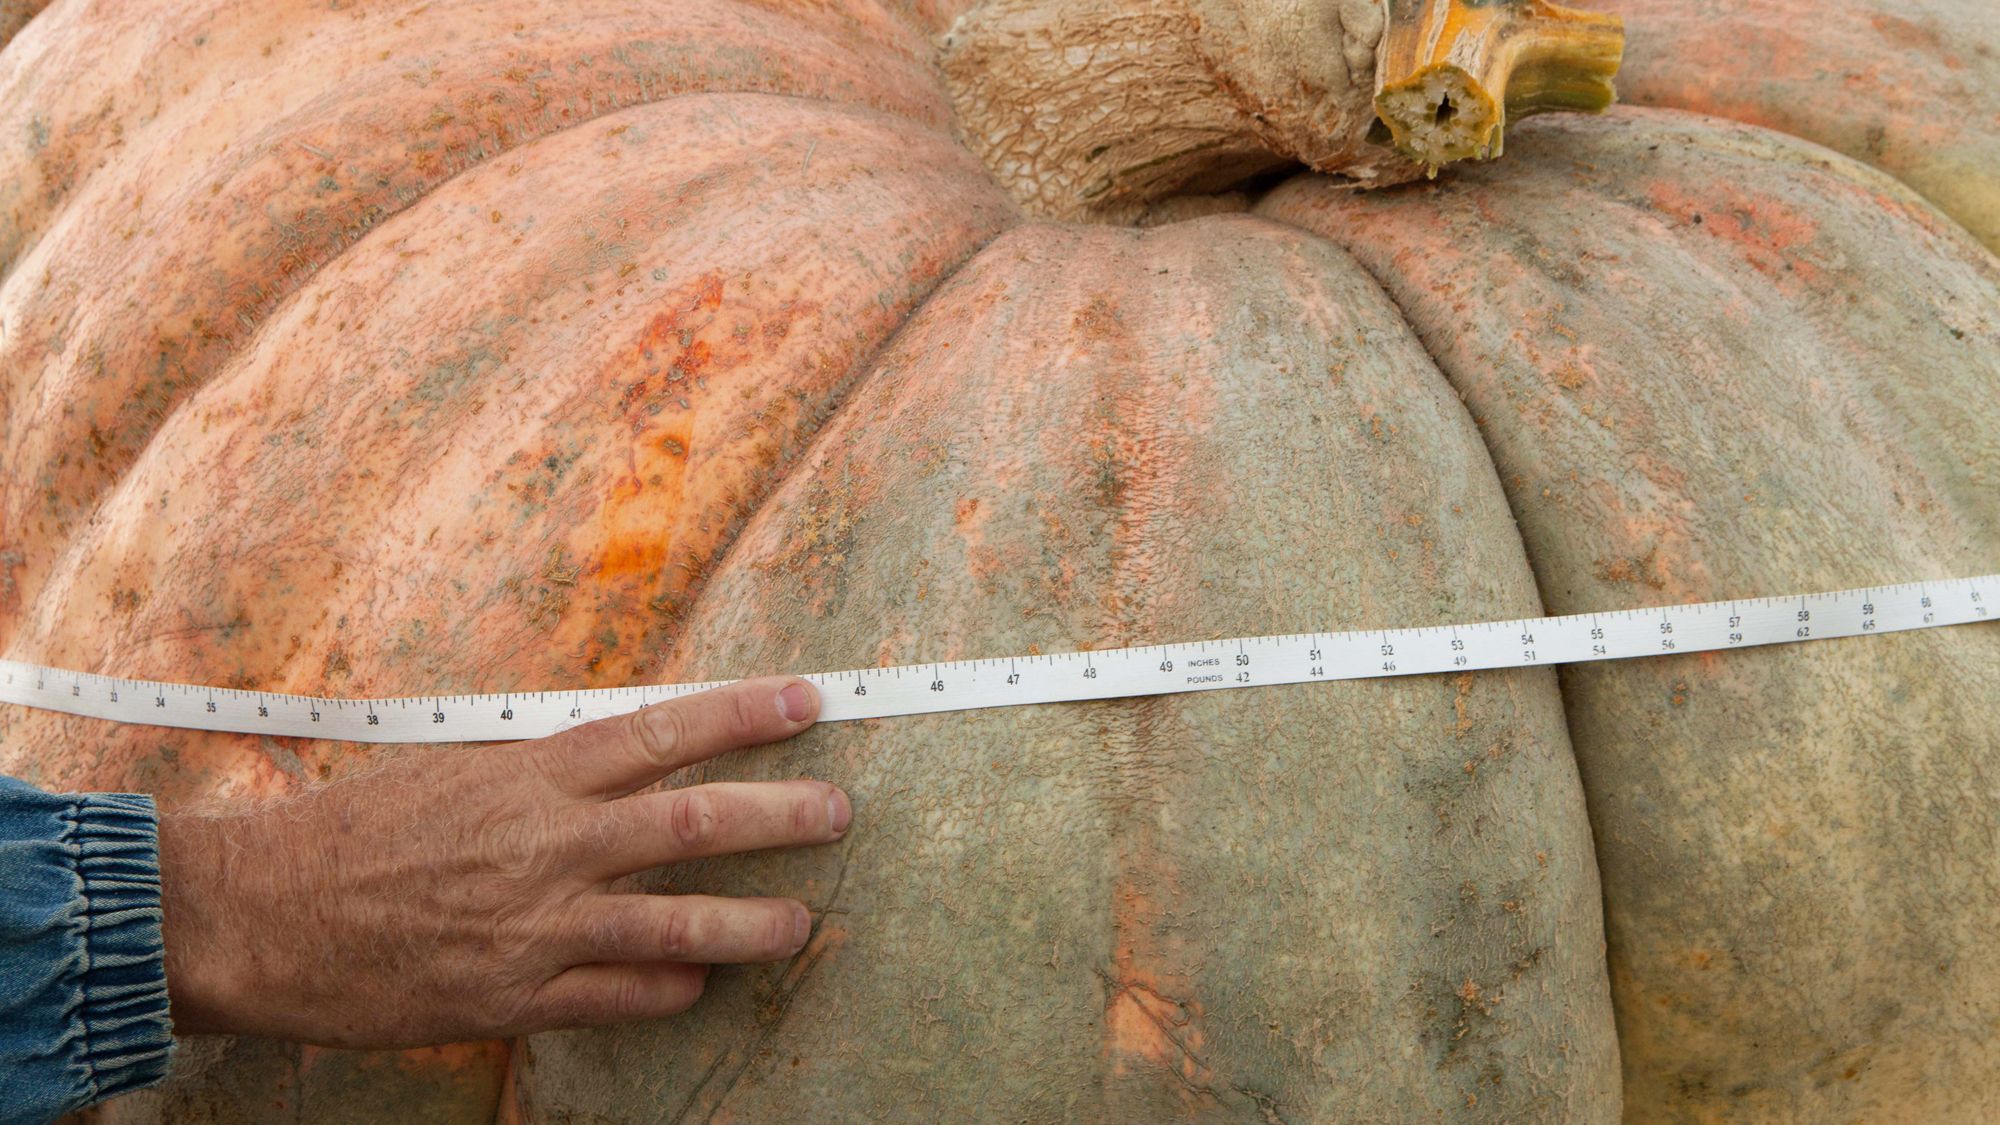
{"points": [[1453, 72]]}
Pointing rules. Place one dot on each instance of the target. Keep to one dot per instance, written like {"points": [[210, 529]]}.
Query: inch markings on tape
{"points": [[958, 685]]}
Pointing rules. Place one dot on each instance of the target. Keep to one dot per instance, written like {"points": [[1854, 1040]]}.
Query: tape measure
{"points": [[958, 685]]}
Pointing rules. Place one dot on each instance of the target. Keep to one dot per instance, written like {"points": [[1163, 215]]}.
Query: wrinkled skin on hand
{"points": [[469, 893]]}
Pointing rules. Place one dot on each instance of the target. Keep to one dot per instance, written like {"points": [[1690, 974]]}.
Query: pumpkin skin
{"points": [[1089, 438], [1909, 86], [313, 147], [472, 494], [1677, 338], [716, 334]]}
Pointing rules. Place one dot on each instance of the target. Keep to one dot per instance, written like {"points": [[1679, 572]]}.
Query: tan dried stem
{"points": [[1110, 110]]}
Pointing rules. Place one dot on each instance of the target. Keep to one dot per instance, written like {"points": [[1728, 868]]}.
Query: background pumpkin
{"points": [[441, 342], [1909, 86]]}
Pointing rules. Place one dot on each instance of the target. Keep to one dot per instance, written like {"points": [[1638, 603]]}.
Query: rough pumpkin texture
{"points": [[608, 380], [1374, 900], [1909, 86], [410, 92], [1697, 381], [193, 227]]}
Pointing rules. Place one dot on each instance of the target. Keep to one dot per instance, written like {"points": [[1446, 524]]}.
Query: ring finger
{"points": [[703, 929], [654, 829]]}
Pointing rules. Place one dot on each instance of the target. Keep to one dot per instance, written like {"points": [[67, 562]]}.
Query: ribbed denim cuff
{"points": [[127, 1038]]}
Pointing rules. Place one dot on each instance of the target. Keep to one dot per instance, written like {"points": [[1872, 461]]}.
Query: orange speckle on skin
{"points": [[1768, 233]]}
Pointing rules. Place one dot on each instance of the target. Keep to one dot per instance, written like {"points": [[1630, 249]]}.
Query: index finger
{"points": [[612, 757]]}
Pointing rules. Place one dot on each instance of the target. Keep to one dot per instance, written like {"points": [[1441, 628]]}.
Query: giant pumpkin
{"points": [[467, 347]]}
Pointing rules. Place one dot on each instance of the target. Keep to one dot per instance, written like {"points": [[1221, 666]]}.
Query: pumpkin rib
{"points": [[1066, 915], [74, 378], [1698, 382]]}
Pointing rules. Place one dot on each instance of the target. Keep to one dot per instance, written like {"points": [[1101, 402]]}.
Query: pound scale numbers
{"points": [[1054, 678]]}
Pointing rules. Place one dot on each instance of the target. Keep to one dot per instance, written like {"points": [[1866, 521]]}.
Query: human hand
{"points": [[465, 893]]}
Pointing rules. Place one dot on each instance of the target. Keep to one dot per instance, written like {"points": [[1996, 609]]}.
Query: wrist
{"points": [[203, 964]]}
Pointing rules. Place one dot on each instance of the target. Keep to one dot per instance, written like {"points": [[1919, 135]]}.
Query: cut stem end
{"points": [[1453, 72]]}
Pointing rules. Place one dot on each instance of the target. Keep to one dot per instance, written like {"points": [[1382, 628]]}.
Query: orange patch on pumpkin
{"points": [[639, 510], [646, 506], [1141, 1022], [1151, 1014], [1767, 233], [667, 345]]}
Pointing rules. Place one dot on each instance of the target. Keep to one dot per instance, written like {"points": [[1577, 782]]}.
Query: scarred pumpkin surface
{"points": [[401, 348], [613, 359], [717, 334], [198, 225], [1184, 908]]}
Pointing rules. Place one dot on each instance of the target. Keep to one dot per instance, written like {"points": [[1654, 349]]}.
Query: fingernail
{"points": [[802, 925], [838, 811], [795, 702]]}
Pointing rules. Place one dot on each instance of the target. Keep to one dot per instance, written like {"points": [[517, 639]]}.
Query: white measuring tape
{"points": [[915, 689]]}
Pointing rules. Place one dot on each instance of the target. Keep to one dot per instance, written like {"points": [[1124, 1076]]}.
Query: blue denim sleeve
{"points": [[83, 986]]}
